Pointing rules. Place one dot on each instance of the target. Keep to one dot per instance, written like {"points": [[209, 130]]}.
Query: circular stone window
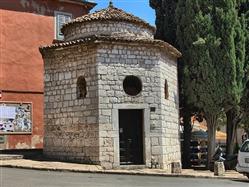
{"points": [[132, 85]]}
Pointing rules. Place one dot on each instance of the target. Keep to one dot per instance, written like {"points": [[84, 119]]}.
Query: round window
{"points": [[132, 85]]}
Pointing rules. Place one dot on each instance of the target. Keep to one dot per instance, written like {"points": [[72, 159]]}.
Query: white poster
{"points": [[8, 112], [15, 118]]}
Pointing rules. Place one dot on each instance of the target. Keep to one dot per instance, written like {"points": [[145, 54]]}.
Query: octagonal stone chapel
{"points": [[111, 93]]}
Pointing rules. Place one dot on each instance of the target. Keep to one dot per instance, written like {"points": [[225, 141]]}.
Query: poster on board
{"points": [[15, 118]]}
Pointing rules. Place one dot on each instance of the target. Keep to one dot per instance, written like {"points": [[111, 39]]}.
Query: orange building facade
{"points": [[24, 26]]}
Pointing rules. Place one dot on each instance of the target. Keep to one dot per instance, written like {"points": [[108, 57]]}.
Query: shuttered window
{"points": [[60, 19]]}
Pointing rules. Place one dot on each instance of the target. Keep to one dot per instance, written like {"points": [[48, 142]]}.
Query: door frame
{"points": [[146, 131]]}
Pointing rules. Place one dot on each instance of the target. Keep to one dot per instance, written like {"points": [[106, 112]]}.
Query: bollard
{"points": [[219, 168], [176, 167]]}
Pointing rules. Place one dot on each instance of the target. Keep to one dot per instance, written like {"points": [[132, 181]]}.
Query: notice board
{"points": [[15, 118]]}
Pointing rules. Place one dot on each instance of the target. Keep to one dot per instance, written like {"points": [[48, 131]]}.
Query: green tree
{"points": [[202, 77], [244, 9], [165, 19], [213, 71], [230, 28]]}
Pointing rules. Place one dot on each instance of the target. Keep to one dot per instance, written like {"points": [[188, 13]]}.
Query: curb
{"points": [[10, 157], [121, 172]]}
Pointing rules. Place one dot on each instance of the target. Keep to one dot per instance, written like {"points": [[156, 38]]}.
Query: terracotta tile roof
{"points": [[98, 39], [110, 13]]}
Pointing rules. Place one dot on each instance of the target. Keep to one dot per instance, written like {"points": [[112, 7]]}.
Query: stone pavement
{"points": [[72, 167]]}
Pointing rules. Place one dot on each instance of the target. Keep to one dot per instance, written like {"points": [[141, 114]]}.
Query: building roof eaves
{"points": [[100, 39]]}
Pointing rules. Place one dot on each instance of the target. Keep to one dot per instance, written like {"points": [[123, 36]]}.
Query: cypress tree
{"points": [[244, 10], [230, 29], [214, 69], [202, 76], [235, 114], [165, 19]]}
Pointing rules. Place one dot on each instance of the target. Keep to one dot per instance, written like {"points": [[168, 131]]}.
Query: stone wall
{"points": [[71, 124], [152, 67], [86, 130], [170, 113], [104, 28]]}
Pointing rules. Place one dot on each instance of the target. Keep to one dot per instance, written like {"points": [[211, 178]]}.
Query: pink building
{"points": [[24, 26]]}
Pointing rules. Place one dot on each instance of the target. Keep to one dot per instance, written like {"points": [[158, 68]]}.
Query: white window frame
{"points": [[57, 36]]}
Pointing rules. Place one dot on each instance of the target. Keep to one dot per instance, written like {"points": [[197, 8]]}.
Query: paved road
{"points": [[11, 177]]}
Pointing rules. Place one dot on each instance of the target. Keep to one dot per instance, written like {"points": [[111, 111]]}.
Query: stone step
{"points": [[10, 157]]}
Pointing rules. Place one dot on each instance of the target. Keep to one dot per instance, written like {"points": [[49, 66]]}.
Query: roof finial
{"points": [[110, 3]]}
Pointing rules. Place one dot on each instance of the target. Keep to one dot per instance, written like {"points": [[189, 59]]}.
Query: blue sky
{"points": [[140, 8]]}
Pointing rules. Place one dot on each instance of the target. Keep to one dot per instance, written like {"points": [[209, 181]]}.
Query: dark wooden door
{"points": [[131, 136]]}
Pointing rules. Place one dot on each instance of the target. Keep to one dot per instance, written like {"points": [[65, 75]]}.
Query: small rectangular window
{"points": [[60, 19]]}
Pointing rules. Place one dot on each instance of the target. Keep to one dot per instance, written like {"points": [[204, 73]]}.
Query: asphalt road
{"points": [[11, 177]]}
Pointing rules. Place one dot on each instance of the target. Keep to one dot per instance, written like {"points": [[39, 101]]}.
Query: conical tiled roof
{"points": [[110, 13]]}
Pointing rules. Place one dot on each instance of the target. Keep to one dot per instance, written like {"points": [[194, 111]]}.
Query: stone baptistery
{"points": [[111, 93]]}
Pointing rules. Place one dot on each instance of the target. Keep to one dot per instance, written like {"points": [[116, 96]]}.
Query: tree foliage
{"points": [[202, 78], [244, 10], [165, 22], [213, 38], [230, 28]]}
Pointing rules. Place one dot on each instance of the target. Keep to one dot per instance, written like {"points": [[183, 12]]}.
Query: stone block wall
{"points": [[86, 130], [115, 62], [170, 112], [150, 65], [107, 28], [71, 124]]}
